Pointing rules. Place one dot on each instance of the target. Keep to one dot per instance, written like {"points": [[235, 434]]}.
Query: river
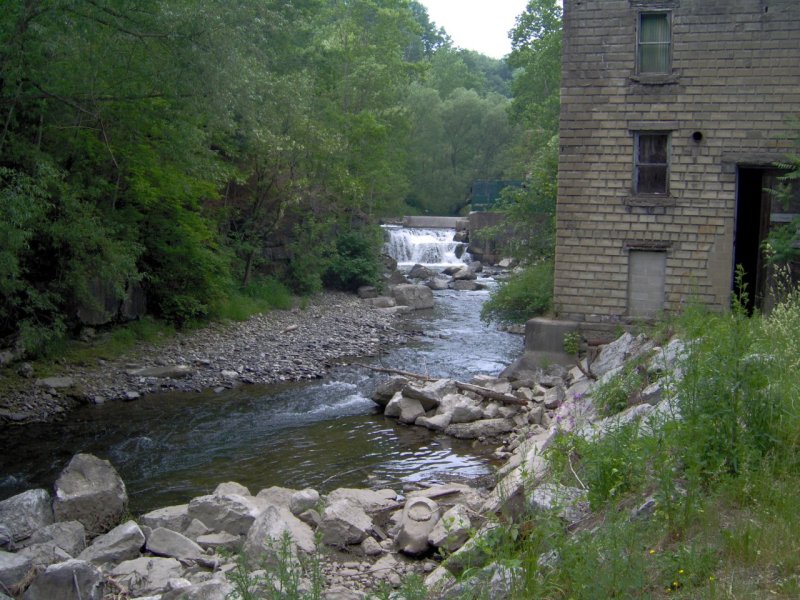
{"points": [[169, 448]]}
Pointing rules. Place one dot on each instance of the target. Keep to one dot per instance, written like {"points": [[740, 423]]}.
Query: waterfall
{"points": [[430, 247]]}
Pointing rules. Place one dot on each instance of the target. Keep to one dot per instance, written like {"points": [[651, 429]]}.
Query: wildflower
{"points": [[652, 552], [680, 571]]}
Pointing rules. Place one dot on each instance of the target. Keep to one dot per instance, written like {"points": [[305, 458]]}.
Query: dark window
{"points": [[654, 43], [651, 173]]}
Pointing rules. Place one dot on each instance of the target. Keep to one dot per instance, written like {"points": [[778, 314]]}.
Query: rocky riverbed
{"points": [[348, 543], [274, 347]]}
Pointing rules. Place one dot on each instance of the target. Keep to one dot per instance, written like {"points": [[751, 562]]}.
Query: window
{"points": [[651, 163], [654, 44]]}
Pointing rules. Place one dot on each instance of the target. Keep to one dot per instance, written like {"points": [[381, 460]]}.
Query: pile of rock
{"points": [[361, 537], [175, 551], [404, 296]]}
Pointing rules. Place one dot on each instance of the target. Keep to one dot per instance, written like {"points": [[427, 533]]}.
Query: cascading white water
{"points": [[430, 247]]}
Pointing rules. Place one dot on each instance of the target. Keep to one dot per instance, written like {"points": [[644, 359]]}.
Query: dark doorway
{"points": [[753, 205]]}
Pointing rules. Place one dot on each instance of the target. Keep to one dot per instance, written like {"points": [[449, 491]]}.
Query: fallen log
{"points": [[464, 387]]}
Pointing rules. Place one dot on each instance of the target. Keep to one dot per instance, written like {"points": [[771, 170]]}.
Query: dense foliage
{"points": [[529, 231], [194, 149]]}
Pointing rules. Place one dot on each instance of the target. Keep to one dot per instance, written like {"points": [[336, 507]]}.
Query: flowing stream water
{"points": [[169, 448]]}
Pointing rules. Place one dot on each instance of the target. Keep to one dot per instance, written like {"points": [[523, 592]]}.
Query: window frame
{"points": [[637, 164], [638, 47]]}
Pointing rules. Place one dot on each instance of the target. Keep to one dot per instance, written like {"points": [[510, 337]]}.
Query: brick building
{"points": [[673, 115]]}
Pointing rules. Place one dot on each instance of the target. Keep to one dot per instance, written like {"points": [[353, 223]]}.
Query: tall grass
{"points": [[703, 507], [261, 295]]}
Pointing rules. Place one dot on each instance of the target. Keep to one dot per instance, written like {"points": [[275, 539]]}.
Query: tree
{"points": [[536, 58]]}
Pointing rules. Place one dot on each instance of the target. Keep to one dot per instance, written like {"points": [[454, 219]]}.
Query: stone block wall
{"points": [[734, 83]]}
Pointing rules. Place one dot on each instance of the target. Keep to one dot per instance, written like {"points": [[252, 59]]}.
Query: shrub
{"points": [[527, 294], [618, 392], [356, 262]]}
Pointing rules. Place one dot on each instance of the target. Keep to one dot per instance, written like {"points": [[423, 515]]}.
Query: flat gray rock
{"points": [[70, 536], [165, 542], [121, 543], [26, 513]]}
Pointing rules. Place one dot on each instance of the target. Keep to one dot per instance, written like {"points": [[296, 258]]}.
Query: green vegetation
{"points": [[702, 506], [282, 575], [527, 294], [355, 263], [536, 56], [783, 242], [193, 152]]}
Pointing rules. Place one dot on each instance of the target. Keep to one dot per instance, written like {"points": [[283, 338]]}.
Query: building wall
{"points": [[735, 79]]}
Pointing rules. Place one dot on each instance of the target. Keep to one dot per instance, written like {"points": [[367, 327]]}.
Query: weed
{"points": [[283, 576], [619, 392]]}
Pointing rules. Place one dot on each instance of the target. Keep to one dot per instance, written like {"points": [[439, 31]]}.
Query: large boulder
{"points": [[452, 530], [429, 394], [410, 410], [25, 513], [371, 501], [231, 487], [420, 516], [274, 527], [91, 491], [419, 271], [277, 496], [303, 500], [145, 576], [438, 283], [415, 296], [386, 390], [462, 409], [13, 568], [68, 580], [464, 274], [466, 286], [165, 542], [70, 536], [344, 523], [175, 518], [121, 543], [231, 513], [617, 353]]}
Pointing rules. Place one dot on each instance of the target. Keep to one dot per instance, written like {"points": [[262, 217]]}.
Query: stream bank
{"points": [[269, 348]]}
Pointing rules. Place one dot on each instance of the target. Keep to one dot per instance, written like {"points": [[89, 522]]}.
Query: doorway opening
{"points": [[753, 209]]}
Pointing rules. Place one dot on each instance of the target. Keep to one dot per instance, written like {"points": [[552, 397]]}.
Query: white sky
{"points": [[480, 25]]}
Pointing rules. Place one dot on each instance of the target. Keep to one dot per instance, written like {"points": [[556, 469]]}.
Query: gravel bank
{"points": [[275, 347]]}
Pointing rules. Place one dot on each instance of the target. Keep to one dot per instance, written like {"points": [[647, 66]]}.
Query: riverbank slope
{"points": [[274, 347]]}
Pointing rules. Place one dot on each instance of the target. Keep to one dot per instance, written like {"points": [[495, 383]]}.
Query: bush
{"points": [[526, 295], [258, 296], [356, 262]]}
